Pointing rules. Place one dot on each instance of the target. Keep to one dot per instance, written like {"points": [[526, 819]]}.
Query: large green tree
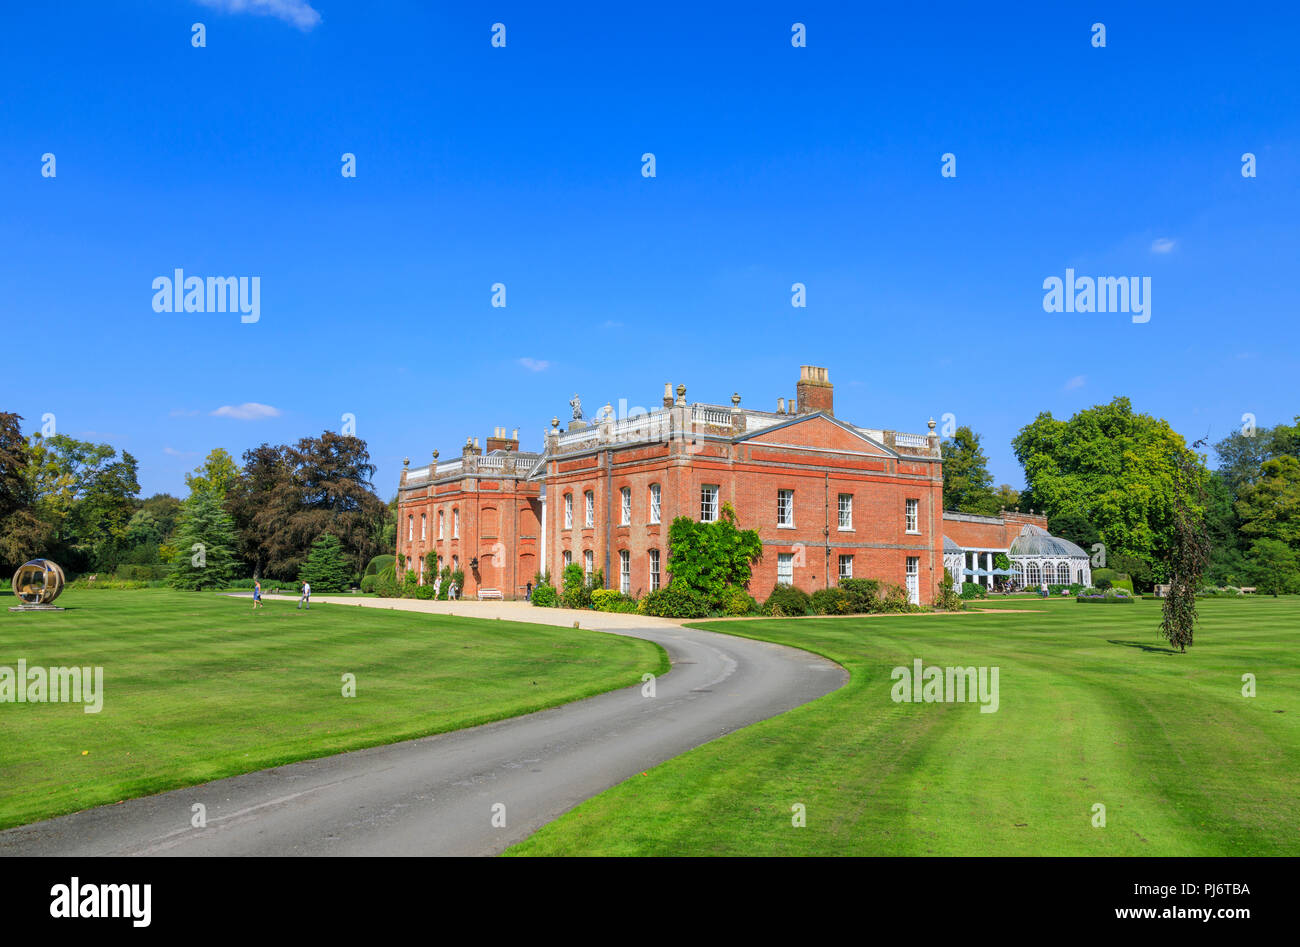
{"points": [[216, 474], [205, 541], [1115, 468], [1273, 567], [967, 483], [326, 568], [1269, 507], [23, 534], [87, 494]]}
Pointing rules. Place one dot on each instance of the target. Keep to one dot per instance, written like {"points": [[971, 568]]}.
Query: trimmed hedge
{"points": [[545, 596], [677, 600], [379, 564], [1106, 597]]}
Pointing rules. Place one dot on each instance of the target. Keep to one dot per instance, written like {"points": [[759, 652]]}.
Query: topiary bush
{"points": [[386, 583], [788, 600], [379, 564], [368, 583]]}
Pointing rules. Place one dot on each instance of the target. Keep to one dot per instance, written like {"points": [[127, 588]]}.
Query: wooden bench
{"points": [[490, 593]]}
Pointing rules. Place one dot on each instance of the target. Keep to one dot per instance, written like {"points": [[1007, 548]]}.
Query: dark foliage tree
{"points": [[1076, 528], [1188, 550], [287, 496], [23, 534]]}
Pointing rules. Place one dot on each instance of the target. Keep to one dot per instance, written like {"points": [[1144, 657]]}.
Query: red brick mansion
{"points": [[829, 499]]}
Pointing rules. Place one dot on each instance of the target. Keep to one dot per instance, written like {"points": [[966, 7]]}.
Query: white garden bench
{"points": [[490, 593]]}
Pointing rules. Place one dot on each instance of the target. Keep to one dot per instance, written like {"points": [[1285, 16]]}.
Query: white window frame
{"points": [[913, 573], [589, 509], [785, 568], [785, 508], [654, 570], [455, 523], [588, 563], [424, 525], [627, 506], [656, 497], [846, 561], [846, 511], [442, 523], [568, 511], [625, 571], [410, 527], [912, 515], [714, 506], [567, 558]]}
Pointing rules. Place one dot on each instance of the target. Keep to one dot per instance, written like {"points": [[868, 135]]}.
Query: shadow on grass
{"points": [[1144, 647]]}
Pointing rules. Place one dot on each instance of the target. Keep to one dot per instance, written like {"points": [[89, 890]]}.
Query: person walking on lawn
{"points": [[257, 594], [306, 596]]}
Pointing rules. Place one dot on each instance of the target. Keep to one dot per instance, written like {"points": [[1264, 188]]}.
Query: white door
{"points": [[913, 580]]}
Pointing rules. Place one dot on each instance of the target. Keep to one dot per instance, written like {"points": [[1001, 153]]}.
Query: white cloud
{"points": [[248, 411], [297, 12], [535, 364], [1075, 382], [173, 452], [1162, 245]]}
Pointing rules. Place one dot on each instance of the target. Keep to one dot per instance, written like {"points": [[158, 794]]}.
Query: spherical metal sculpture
{"points": [[38, 583]]}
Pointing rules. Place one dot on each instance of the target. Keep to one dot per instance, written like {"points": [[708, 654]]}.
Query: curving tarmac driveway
{"points": [[436, 795]]}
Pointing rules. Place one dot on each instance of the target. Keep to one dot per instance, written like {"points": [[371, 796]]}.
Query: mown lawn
{"points": [[199, 686], [1093, 709]]}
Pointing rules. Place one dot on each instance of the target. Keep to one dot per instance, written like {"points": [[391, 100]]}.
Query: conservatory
{"points": [[1043, 559]]}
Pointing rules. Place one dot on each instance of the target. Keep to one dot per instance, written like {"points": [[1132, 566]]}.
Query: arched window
{"points": [[410, 527], [422, 527], [1063, 574], [1079, 577], [1032, 575], [441, 519]]}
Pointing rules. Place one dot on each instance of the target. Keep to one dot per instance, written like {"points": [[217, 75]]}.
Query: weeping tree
{"points": [[1189, 549]]}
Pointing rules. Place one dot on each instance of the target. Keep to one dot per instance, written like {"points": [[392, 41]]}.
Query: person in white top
{"points": [[306, 597]]}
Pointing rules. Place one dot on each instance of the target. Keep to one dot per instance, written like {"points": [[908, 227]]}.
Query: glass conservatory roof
{"points": [[1036, 541]]}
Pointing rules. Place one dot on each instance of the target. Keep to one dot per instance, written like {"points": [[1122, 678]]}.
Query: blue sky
{"points": [[521, 165]]}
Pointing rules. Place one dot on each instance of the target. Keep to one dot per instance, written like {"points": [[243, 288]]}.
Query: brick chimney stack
{"points": [[815, 391], [499, 441]]}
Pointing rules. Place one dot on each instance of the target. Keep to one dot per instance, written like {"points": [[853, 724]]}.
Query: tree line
{"points": [[78, 503], [1118, 478]]}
